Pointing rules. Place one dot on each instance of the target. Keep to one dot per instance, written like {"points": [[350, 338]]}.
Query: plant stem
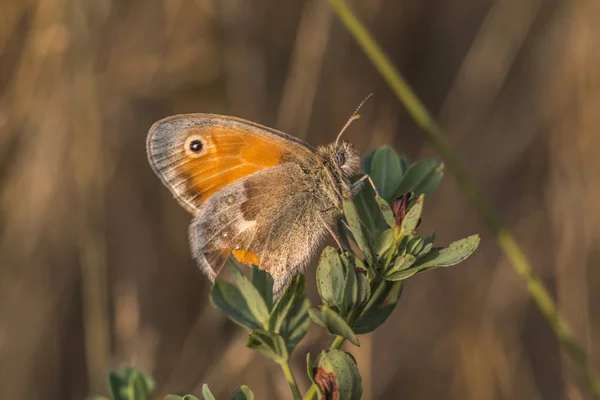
{"points": [[505, 240], [337, 343], [289, 376], [310, 393]]}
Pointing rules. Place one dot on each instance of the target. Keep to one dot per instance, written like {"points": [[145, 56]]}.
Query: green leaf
{"points": [[428, 185], [118, 386], [366, 162], [369, 210], [414, 245], [263, 282], [285, 303], [357, 231], [362, 278], [186, 397], [404, 262], [383, 243], [401, 275], [289, 317], [142, 387], [341, 280], [386, 211], [435, 258], [309, 369], [343, 233], [296, 325], [427, 245], [422, 177], [330, 277], [243, 393], [337, 376], [256, 303], [451, 255], [350, 289], [142, 384], [401, 263], [410, 222], [206, 393], [380, 306], [131, 384], [227, 298], [426, 249], [330, 320], [270, 344], [404, 164], [356, 285], [402, 245], [386, 172]]}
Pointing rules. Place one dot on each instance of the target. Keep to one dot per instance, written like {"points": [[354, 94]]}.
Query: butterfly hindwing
{"points": [[267, 219]]}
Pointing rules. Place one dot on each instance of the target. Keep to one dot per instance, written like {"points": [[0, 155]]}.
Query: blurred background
{"points": [[95, 270]]}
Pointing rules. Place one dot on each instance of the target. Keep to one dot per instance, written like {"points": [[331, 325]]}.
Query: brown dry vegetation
{"points": [[94, 265]]}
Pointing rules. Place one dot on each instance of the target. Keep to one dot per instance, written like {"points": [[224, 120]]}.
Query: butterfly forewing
{"points": [[196, 155]]}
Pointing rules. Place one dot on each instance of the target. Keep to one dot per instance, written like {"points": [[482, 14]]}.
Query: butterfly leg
{"points": [[332, 233], [356, 186]]}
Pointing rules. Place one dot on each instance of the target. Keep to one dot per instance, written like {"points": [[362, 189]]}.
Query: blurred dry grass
{"points": [[94, 265]]}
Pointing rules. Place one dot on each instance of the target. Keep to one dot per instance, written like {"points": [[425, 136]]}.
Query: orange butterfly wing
{"points": [[196, 155]]}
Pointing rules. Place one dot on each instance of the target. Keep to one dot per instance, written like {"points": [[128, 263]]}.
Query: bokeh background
{"points": [[95, 270]]}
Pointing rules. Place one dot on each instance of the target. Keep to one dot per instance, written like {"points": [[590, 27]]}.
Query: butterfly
{"points": [[263, 196]]}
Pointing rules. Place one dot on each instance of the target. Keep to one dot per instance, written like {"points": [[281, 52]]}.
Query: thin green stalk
{"points": [[310, 393], [505, 240], [289, 377], [337, 343]]}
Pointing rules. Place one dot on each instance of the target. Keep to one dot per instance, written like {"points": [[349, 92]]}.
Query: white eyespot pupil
{"points": [[196, 146]]}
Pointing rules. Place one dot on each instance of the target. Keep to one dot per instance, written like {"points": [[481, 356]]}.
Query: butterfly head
{"points": [[342, 159]]}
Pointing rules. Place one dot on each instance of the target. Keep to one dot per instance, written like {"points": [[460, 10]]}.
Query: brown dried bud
{"points": [[337, 376], [399, 207], [327, 383]]}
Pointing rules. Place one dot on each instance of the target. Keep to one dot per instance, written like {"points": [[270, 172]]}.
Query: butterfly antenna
{"points": [[352, 118]]}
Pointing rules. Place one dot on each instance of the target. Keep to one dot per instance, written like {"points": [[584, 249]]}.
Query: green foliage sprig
{"points": [[358, 289], [505, 240], [359, 284]]}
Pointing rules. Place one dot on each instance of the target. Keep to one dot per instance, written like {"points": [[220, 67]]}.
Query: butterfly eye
{"points": [[195, 146], [339, 157]]}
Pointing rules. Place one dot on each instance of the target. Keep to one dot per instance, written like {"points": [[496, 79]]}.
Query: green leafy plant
{"points": [[129, 383], [359, 283], [358, 289], [505, 240]]}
